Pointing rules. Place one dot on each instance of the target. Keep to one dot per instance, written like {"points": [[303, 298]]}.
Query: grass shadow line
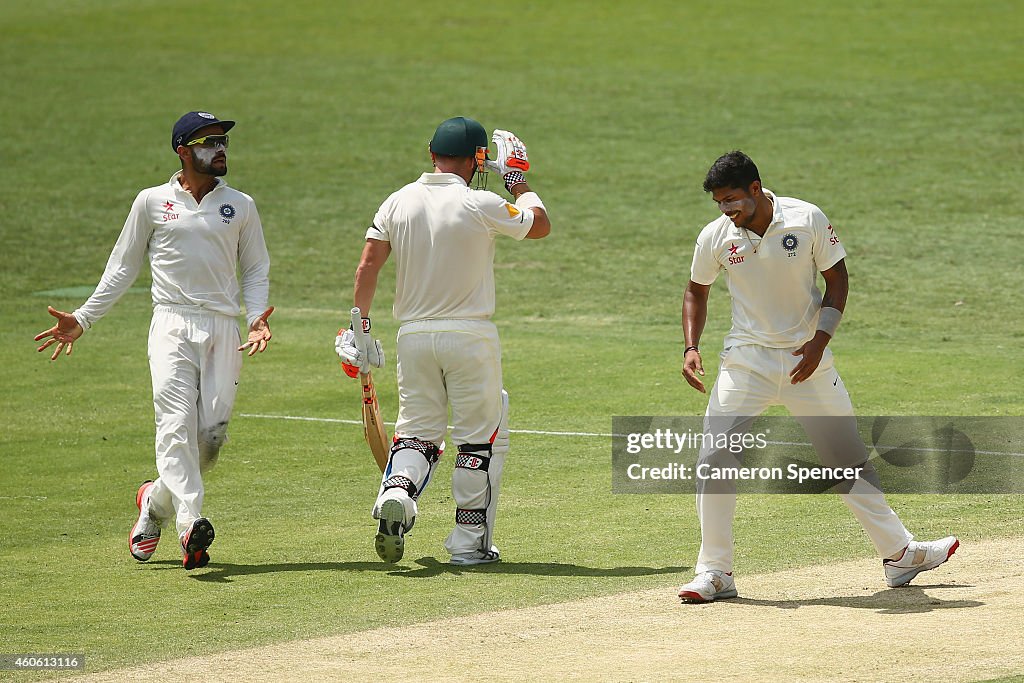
{"points": [[426, 567]]}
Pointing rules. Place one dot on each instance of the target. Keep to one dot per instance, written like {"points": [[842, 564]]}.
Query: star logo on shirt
{"points": [[733, 249], [168, 206]]}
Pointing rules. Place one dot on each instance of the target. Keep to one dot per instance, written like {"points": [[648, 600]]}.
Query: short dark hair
{"points": [[734, 169]]}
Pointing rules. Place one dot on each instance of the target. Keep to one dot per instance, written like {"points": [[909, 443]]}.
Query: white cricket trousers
{"points": [[442, 362], [195, 364], [751, 378], [457, 363]]}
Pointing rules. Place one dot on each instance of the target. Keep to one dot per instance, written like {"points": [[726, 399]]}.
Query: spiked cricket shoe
{"points": [[194, 543], [709, 586], [476, 557], [390, 539], [917, 558], [145, 533]]}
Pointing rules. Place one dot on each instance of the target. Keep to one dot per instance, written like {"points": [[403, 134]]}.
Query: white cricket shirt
{"points": [[194, 250], [775, 298], [442, 238]]}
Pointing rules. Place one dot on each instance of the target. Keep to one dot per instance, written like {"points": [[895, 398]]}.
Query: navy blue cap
{"points": [[193, 121]]}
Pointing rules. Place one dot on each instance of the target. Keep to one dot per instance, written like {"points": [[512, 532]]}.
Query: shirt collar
{"points": [[442, 179], [777, 216], [176, 185]]}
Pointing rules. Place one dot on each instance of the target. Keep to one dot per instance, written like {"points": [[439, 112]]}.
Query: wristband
{"points": [[828, 320], [529, 200], [366, 326], [513, 178], [690, 348]]}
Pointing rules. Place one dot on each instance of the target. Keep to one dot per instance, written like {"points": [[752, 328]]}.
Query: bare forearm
{"points": [[375, 254], [835, 297], [365, 288], [837, 287], [695, 315]]}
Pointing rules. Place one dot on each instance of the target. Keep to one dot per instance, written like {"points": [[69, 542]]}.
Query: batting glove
{"points": [[353, 360], [511, 154], [375, 354], [345, 347]]}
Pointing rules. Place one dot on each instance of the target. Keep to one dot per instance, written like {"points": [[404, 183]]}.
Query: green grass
{"points": [[901, 121]]}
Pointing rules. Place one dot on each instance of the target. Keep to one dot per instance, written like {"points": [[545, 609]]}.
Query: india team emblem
{"points": [[789, 243], [227, 212]]}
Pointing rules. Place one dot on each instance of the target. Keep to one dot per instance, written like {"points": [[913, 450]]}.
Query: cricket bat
{"points": [[373, 426]]}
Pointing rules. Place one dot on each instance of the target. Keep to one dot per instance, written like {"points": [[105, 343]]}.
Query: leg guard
{"points": [[410, 464], [476, 483], [210, 441]]}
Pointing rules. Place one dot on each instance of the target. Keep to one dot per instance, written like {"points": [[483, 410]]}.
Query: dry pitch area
{"points": [[962, 621]]}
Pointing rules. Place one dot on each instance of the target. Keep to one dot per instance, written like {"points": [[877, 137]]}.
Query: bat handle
{"points": [[362, 339]]}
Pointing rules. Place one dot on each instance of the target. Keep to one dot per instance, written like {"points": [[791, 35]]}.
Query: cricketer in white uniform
{"points": [[195, 231], [442, 234], [770, 250]]}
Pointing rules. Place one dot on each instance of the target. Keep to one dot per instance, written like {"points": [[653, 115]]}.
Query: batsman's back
{"points": [[442, 238]]}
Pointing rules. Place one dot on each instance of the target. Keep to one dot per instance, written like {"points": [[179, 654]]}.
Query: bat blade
{"points": [[373, 426]]}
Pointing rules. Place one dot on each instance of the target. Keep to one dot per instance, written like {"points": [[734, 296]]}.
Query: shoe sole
{"points": [[199, 538], [469, 563], [390, 541], [904, 579], [694, 596], [146, 485]]}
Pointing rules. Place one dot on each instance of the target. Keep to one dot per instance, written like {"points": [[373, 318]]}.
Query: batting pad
{"points": [[476, 481]]}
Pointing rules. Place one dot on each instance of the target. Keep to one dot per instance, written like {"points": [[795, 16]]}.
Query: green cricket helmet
{"points": [[458, 137]]}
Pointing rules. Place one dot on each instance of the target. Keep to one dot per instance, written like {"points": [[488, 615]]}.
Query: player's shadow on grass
{"points": [[430, 566], [222, 572], [905, 600]]}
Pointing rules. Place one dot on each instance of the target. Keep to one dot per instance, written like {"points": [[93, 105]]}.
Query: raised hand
{"points": [[510, 154], [63, 334]]}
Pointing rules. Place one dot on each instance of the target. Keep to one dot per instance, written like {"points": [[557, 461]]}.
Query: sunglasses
{"points": [[209, 141]]}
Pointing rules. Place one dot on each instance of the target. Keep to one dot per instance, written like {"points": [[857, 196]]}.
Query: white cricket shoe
{"points": [[390, 539], [709, 586], [476, 557], [917, 558], [145, 533]]}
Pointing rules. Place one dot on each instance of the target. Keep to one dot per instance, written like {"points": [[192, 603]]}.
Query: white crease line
{"points": [[392, 424], [608, 436]]}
